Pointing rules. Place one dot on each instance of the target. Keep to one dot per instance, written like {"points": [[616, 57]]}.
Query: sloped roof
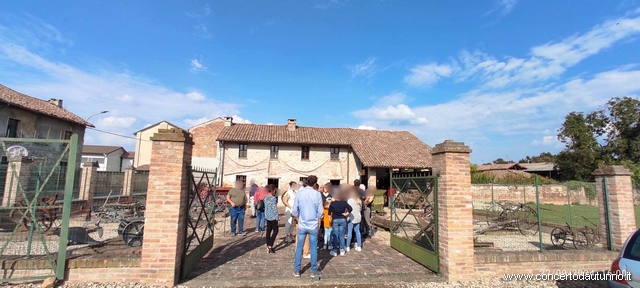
{"points": [[539, 167], [39, 106], [128, 155], [154, 125], [375, 148], [99, 149], [508, 166]]}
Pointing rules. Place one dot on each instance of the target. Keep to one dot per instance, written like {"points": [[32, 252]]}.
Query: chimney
{"points": [[57, 102], [291, 125], [228, 121]]}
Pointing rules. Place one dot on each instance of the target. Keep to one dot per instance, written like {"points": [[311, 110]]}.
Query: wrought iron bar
{"points": [[606, 212], [66, 207], [538, 210]]}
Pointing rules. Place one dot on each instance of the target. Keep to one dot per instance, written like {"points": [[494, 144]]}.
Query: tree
{"points": [[619, 123], [544, 157], [502, 161], [581, 155]]}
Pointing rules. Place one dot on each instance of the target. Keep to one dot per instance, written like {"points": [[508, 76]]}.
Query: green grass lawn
{"points": [[560, 214]]}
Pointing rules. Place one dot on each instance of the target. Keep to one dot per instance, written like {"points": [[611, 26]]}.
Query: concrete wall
{"points": [[143, 143], [31, 123], [549, 194], [114, 160], [126, 163], [288, 167]]}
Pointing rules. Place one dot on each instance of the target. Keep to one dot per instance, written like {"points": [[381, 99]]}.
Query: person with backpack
{"points": [[259, 204]]}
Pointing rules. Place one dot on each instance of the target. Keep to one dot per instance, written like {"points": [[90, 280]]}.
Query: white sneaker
{"points": [[341, 252], [334, 254], [307, 257], [325, 247], [358, 248], [348, 249]]}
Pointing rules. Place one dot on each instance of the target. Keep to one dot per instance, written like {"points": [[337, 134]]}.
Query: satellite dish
{"points": [[16, 151]]}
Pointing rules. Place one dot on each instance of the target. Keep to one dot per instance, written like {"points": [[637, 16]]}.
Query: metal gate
{"points": [[414, 217], [200, 217], [36, 204]]}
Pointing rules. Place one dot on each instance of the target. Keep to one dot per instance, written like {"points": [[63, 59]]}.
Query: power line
{"points": [[119, 135]]}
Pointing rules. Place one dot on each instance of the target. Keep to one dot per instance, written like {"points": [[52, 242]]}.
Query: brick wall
{"points": [[621, 211], [204, 138], [549, 194], [496, 264], [289, 166], [166, 199], [455, 213]]}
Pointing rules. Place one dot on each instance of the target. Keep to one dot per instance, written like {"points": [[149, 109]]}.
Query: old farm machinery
{"points": [[510, 216], [582, 238], [128, 213]]}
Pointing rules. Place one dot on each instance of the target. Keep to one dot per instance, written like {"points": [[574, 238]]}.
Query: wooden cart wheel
{"points": [[133, 233], [558, 237], [581, 240], [527, 220]]}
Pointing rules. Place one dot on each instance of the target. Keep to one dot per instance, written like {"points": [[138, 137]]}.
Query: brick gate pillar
{"points": [[164, 235], [88, 180], [621, 212], [17, 175], [455, 212]]}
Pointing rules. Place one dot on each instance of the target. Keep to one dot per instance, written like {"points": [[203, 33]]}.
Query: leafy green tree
{"points": [[619, 124], [582, 152], [544, 157], [502, 161]]}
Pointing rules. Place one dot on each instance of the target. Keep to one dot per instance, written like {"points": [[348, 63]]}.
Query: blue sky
{"points": [[498, 75]]}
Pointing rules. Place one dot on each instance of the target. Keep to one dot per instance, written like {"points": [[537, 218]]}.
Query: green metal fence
{"points": [[531, 216], [636, 202], [35, 208], [109, 182]]}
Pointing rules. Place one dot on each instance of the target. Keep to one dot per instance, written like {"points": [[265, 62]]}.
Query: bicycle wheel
{"points": [[43, 220]]}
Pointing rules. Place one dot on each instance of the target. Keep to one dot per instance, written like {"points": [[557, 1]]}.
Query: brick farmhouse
{"points": [[279, 154]]}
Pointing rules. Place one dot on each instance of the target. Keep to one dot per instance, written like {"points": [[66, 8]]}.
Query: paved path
{"points": [[243, 261]]}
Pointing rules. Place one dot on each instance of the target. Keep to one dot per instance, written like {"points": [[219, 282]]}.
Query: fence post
{"points": [[455, 214], [88, 181], [538, 212], [614, 194], [127, 189], [167, 196], [18, 172], [492, 197], [569, 205]]}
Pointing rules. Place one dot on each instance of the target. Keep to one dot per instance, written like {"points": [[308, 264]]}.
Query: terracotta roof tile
{"points": [[375, 148], [40, 106]]}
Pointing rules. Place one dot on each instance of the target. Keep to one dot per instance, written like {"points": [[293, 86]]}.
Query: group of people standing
{"points": [[341, 211]]}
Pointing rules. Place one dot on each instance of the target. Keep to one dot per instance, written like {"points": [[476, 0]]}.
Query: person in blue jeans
{"points": [[237, 200], [353, 225], [339, 210], [260, 220], [307, 208]]}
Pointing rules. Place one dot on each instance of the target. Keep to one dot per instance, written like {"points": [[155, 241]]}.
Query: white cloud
{"points": [[195, 96], [136, 99], [114, 122], [507, 5], [364, 69], [389, 109], [193, 122], [546, 141], [365, 127], [270, 123], [477, 114], [240, 120], [428, 74], [207, 10], [196, 66]]}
